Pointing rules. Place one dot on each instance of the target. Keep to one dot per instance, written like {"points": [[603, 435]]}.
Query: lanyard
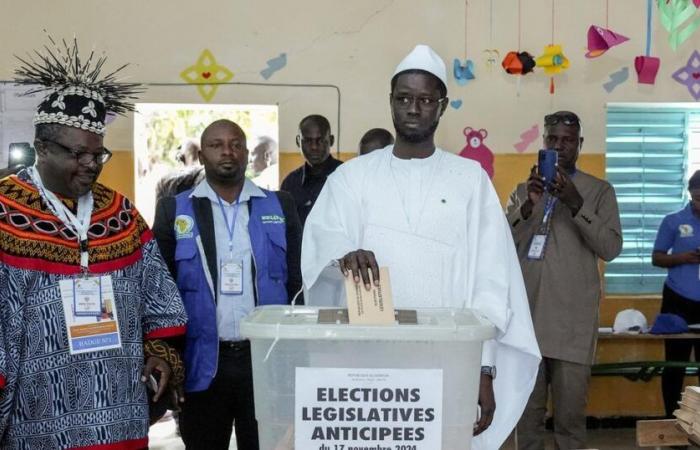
{"points": [[230, 227], [78, 224]]}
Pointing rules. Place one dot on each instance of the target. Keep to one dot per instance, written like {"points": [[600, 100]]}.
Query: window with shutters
{"points": [[650, 150]]}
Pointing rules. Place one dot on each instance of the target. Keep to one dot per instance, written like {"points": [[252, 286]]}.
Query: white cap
{"points": [[630, 321], [424, 58]]}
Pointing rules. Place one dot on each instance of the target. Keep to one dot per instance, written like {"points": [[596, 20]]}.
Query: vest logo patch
{"points": [[273, 218], [686, 230], [183, 227]]}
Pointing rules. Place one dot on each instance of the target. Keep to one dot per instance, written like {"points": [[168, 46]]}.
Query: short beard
{"points": [[416, 137]]}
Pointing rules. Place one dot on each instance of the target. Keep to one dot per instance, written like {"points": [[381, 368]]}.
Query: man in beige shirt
{"points": [[560, 231]]}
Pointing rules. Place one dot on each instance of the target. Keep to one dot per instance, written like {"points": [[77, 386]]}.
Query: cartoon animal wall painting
{"points": [[477, 150]]}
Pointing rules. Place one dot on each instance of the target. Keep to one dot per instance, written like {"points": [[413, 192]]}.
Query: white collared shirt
{"points": [[230, 309]]}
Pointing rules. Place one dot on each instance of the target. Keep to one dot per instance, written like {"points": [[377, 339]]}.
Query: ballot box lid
{"points": [[301, 322]]}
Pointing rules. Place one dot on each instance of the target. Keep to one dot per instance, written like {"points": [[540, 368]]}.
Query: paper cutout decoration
{"points": [[616, 79], [647, 67], [689, 75], [456, 104], [274, 65], [675, 16], [600, 40], [527, 137], [553, 61], [463, 73], [206, 73], [491, 57], [476, 150], [518, 63]]}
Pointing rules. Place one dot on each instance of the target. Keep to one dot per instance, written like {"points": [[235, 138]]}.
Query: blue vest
{"points": [[268, 242]]}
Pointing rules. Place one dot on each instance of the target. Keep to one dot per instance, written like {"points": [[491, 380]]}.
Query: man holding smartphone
{"points": [[562, 226], [677, 248]]}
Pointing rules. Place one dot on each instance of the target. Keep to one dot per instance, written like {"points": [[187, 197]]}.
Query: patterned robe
{"points": [[49, 398]]}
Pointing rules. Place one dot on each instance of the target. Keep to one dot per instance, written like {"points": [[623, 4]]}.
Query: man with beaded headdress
{"points": [[87, 305]]}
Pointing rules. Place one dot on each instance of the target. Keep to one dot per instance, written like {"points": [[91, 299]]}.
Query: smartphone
{"points": [[547, 164]]}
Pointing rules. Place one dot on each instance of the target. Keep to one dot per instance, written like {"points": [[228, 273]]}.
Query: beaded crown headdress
{"points": [[77, 94]]}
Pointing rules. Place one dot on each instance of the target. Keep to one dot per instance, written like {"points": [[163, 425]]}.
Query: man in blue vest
{"points": [[231, 246]]}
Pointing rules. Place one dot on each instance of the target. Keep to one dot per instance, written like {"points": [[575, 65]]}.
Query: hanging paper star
{"points": [[206, 73], [689, 75]]}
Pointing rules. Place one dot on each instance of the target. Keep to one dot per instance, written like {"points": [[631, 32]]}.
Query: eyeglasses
{"points": [[566, 119], [100, 157], [404, 101]]}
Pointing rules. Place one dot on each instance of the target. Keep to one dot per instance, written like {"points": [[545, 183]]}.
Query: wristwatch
{"points": [[489, 370]]}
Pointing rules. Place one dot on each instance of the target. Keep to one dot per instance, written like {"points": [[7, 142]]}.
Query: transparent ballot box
{"points": [[322, 384]]}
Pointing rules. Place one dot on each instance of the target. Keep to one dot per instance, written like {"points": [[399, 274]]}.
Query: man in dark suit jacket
{"points": [[231, 246]]}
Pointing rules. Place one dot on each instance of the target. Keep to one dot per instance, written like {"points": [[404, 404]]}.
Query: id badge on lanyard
{"points": [[231, 274], [87, 296], [90, 313], [538, 244], [230, 269]]}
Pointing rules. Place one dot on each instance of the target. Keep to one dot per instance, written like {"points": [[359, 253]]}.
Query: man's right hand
{"points": [[535, 190], [360, 263]]}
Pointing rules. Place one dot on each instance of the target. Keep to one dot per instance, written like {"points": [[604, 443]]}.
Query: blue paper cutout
{"points": [[617, 78], [274, 65], [456, 104], [463, 73]]}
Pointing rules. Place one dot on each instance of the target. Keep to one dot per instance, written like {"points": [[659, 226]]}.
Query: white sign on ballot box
{"points": [[343, 409]]}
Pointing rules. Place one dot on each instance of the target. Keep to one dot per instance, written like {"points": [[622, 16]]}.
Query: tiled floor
{"points": [[163, 437]]}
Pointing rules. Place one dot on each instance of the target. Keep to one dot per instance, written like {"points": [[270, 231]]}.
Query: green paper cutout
{"points": [[673, 15]]}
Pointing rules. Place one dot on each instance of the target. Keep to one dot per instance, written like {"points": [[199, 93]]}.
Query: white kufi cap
{"points": [[424, 58]]}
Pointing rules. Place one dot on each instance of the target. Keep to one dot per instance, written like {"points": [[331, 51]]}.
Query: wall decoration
{"points": [[206, 74], [491, 54], [616, 79], [600, 40], [518, 63], [456, 104], [647, 66], [552, 60], [476, 150], [680, 18], [463, 73], [491, 57], [527, 137], [689, 75], [274, 65]]}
